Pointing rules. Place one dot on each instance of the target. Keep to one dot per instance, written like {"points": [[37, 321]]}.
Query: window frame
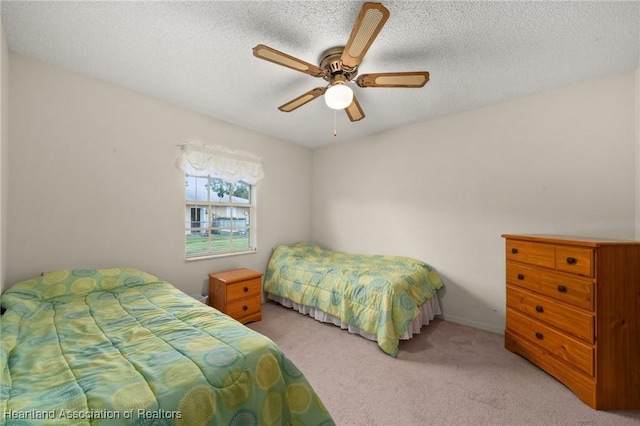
{"points": [[206, 209]]}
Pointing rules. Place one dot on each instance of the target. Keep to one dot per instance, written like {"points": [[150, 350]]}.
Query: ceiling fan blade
{"points": [[272, 55], [394, 79], [354, 111], [302, 99], [370, 21]]}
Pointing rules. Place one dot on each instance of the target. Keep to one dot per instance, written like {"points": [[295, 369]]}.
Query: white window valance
{"points": [[231, 166]]}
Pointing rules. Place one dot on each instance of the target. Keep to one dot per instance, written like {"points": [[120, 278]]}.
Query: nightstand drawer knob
{"points": [[520, 277], [246, 289], [539, 336], [572, 260], [539, 309], [514, 250], [562, 289], [245, 307]]}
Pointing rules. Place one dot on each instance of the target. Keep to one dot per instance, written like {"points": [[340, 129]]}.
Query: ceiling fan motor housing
{"points": [[331, 64]]}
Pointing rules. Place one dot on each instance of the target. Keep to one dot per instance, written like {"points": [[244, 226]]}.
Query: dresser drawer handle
{"points": [[514, 250], [562, 289], [539, 336], [245, 307], [520, 277], [539, 309], [572, 260], [246, 289]]}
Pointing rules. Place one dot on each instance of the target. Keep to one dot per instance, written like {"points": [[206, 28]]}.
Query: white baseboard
{"points": [[473, 324]]}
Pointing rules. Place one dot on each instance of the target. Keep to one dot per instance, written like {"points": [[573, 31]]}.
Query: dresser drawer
{"points": [[516, 250], [582, 385], [574, 290], [523, 276], [573, 321], [537, 254], [567, 288], [244, 289], [243, 307], [541, 255], [575, 260], [562, 346]]}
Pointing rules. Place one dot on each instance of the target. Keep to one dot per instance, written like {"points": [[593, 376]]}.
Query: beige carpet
{"points": [[449, 374]]}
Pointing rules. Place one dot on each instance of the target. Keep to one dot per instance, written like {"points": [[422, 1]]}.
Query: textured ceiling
{"points": [[198, 54]]}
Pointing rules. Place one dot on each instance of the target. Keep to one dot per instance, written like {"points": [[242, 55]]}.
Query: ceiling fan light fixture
{"points": [[338, 96]]}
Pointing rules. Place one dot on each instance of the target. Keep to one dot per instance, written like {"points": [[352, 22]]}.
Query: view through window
{"points": [[219, 217]]}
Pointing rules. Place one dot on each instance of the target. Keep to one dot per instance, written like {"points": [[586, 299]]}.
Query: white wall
{"points": [[637, 115], [444, 191], [93, 181], [4, 152]]}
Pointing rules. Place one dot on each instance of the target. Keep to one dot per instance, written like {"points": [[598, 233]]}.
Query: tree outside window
{"points": [[219, 217]]}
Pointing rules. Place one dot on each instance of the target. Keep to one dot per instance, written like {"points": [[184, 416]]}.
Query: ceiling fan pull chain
{"points": [[335, 131]]}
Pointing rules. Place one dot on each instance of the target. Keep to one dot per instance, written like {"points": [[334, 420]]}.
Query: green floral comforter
{"points": [[378, 294], [120, 346]]}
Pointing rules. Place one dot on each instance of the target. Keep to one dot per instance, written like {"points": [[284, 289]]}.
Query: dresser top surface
{"points": [[236, 275], [570, 239]]}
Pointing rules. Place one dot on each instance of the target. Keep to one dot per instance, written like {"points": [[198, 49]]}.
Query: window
{"points": [[219, 217], [220, 209]]}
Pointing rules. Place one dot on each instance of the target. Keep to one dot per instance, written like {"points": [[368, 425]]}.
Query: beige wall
{"points": [[93, 181], [4, 153], [444, 191]]}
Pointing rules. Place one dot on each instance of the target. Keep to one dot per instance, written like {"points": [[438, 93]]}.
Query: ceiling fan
{"points": [[339, 65]]}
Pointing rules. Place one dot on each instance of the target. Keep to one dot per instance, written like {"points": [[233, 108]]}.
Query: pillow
{"points": [[73, 283]]}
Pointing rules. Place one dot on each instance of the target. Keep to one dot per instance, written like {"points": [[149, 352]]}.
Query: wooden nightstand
{"points": [[237, 293]]}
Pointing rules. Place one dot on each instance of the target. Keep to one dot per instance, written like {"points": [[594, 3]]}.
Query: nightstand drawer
{"points": [[564, 347], [243, 307], [243, 289]]}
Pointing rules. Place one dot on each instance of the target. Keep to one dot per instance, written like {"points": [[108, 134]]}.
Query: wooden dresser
{"points": [[237, 293], [573, 309]]}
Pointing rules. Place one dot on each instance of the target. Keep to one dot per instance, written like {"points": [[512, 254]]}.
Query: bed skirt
{"points": [[428, 311]]}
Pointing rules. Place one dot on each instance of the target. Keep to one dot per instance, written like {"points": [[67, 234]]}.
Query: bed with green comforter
{"points": [[120, 346], [379, 296]]}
